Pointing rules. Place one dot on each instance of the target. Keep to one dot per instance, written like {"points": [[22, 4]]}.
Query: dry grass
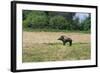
{"points": [[44, 46], [30, 38]]}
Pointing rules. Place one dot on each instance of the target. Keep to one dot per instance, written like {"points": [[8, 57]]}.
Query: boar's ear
{"points": [[62, 37]]}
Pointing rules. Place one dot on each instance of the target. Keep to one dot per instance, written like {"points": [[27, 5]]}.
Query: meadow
{"points": [[44, 46]]}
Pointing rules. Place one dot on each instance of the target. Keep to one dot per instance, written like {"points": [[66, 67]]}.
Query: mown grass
{"points": [[41, 52]]}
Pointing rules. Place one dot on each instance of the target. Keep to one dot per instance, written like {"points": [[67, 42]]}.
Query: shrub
{"points": [[39, 21], [58, 22]]}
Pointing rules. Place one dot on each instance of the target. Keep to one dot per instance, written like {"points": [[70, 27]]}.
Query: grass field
{"points": [[44, 46]]}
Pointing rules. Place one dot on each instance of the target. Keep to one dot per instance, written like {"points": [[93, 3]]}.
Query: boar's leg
{"points": [[64, 43], [70, 43]]}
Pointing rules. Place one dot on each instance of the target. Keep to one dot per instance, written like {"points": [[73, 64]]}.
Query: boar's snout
{"points": [[60, 38]]}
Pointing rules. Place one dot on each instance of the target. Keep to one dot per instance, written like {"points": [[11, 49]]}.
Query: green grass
{"points": [[54, 30], [56, 52]]}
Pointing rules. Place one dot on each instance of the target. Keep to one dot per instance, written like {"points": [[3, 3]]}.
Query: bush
{"points": [[26, 23], [39, 21], [58, 22], [36, 19]]}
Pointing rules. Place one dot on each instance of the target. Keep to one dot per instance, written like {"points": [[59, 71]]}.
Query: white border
{"points": [[21, 65]]}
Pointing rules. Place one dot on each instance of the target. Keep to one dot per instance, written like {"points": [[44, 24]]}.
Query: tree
{"points": [[76, 24], [58, 22], [86, 24], [36, 18]]}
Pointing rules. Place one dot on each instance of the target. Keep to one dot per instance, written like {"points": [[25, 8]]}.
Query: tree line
{"points": [[54, 20]]}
